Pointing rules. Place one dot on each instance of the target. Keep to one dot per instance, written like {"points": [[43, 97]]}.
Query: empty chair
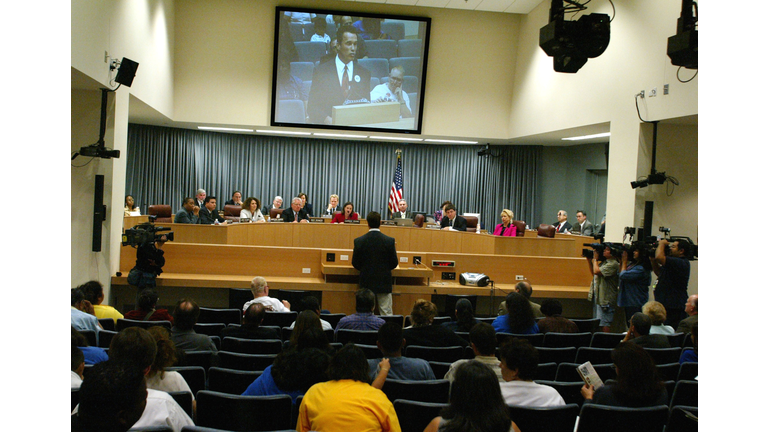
{"points": [[302, 70], [243, 413], [683, 419], [546, 371], [414, 416], [440, 354], [590, 325], [332, 318], [232, 212], [593, 355], [215, 315], [411, 65], [252, 346], [239, 297], [193, 375], [184, 399], [397, 319], [569, 391], [439, 368], [604, 418], [105, 338], [379, 67], [558, 340], [210, 329], [606, 340], [665, 355], [298, 32], [546, 230], [685, 393], [668, 371], [107, 323], [676, 340], [90, 336], [310, 51], [381, 48], [520, 225], [230, 381], [365, 337], [688, 371], [195, 358], [409, 48], [424, 391], [162, 211], [249, 362], [279, 319], [545, 419], [535, 339], [371, 351], [396, 31], [123, 323], [411, 85], [290, 111], [557, 355]]}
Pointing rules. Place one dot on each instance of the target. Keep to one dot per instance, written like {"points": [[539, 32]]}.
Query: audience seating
{"points": [[226, 316], [520, 225], [669, 371], [310, 51], [303, 70], [606, 340], [371, 351], [123, 323], [472, 221], [567, 372], [210, 329], [105, 338], [333, 318], [569, 391], [248, 362], [273, 213], [409, 48], [75, 398], [450, 303], [194, 376], [603, 418], [296, 297], [411, 65], [546, 230], [685, 393], [162, 211], [90, 337], [545, 419], [687, 341], [665, 355], [435, 391], [396, 31], [688, 371], [590, 325], [546, 371], [683, 419], [238, 297], [196, 358], [397, 319], [464, 335], [184, 399], [440, 354], [291, 111], [230, 381], [252, 346], [379, 67], [440, 368], [365, 337], [414, 416], [557, 355], [563, 340], [107, 323], [243, 413], [381, 48], [418, 221], [536, 339], [280, 319], [676, 340]]}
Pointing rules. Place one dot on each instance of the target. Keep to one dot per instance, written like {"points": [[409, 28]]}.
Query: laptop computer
{"points": [[404, 222]]}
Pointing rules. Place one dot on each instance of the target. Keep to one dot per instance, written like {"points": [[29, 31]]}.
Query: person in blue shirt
{"points": [[519, 318]]}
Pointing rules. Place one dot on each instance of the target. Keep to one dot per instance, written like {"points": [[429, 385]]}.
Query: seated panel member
{"points": [[237, 199], [402, 212], [208, 214], [295, 213], [251, 210], [562, 225], [189, 213], [277, 203], [306, 205], [505, 228], [451, 221], [347, 214], [392, 91], [333, 205]]}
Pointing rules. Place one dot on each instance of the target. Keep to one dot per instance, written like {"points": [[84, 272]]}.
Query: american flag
{"points": [[396, 193]]}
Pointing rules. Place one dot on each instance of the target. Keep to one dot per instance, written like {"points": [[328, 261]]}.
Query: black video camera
{"points": [[146, 233]]}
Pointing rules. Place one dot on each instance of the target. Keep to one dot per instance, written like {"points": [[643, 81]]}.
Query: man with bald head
{"points": [[296, 213], [692, 309], [183, 332], [524, 288]]}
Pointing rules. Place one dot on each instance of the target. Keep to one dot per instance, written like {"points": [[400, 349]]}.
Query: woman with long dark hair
{"points": [[519, 318], [634, 280], [476, 404], [637, 381], [465, 317]]}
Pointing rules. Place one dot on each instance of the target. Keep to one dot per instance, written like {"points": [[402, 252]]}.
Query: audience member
{"points": [[158, 378], [134, 346], [370, 28], [634, 280], [692, 354], [639, 333], [208, 213], [260, 291], [391, 343], [554, 320], [295, 213], [347, 402], [375, 256], [524, 288], [363, 318], [130, 208], [519, 361], [637, 381], [306, 319], [658, 315], [519, 318], [673, 270], [251, 327], [451, 221], [506, 228], [465, 318], [562, 225], [91, 355], [604, 290], [476, 403], [392, 91], [424, 333], [293, 372], [237, 199], [251, 210], [82, 312], [94, 293], [146, 308], [320, 35], [112, 399], [183, 332], [189, 212], [584, 226], [312, 303], [692, 309], [482, 339], [78, 366], [347, 214]]}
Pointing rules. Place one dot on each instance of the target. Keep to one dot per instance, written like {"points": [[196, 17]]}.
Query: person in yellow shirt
{"points": [[347, 401], [94, 293]]}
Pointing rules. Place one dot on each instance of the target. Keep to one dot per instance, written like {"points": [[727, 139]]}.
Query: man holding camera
{"points": [[604, 289], [149, 264], [673, 270]]}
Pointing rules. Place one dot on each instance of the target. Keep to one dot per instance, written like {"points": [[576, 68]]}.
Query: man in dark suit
{"points": [[562, 224], [402, 212], [251, 328], [189, 213], [452, 221], [339, 80], [375, 257], [208, 213], [295, 213], [639, 333]]}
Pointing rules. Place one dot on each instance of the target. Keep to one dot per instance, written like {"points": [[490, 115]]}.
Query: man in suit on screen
{"points": [[337, 81], [375, 257]]}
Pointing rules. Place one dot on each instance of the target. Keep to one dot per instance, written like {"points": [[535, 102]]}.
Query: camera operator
{"points": [[634, 279], [673, 270], [149, 263], [604, 289]]}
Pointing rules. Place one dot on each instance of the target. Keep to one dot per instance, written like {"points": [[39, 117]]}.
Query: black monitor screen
{"points": [[346, 70]]}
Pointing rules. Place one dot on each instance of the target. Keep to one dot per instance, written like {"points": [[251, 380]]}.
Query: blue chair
{"points": [[310, 51], [290, 111], [411, 65], [409, 48], [381, 48], [379, 67], [302, 71], [394, 29]]}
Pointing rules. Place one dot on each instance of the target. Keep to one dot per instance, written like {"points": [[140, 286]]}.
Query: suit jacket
{"points": [[288, 215], [183, 216], [565, 227], [398, 215], [209, 217], [510, 231], [375, 257], [326, 92], [588, 230], [459, 224]]}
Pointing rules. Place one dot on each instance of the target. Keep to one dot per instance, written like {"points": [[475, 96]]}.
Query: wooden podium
{"points": [[366, 113]]}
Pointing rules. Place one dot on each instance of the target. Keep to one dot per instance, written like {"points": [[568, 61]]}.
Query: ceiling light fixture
{"points": [[223, 129], [339, 135], [282, 132], [394, 138], [450, 141], [585, 137]]}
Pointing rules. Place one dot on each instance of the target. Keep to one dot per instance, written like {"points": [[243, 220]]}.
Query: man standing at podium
{"points": [[339, 80], [375, 257]]}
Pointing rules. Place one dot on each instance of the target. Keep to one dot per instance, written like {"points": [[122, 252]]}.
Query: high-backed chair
{"points": [[243, 413], [162, 211], [604, 418], [545, 419], [685, 393], [440, 354], [303, 70], [397, 319], [472, 222], [231, 381], [594, 355], [291, 110], [194, 376], [248, 362], [310, 51], [606, 340], [238, 297], [332, 318], [217, 315], [409, 48], [520, 225], [396, 31], [546, 230], [562, 340], [587, 324], [381, 48], [379, 67], [415, 416], [123, 323], [232, 212], [274, 212], [435, 391], [418, 221]]}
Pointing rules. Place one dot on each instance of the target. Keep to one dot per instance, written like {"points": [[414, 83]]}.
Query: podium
{"points": [[366, 113]]}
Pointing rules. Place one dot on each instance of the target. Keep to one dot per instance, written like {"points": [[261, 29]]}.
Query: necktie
{"points": [[345, 82]]}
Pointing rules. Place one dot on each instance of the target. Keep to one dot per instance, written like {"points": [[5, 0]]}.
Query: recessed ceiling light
{"points": [[394, 138], [450, 141], [224, 129], [585, 137], [282, 132], [340, 135]]}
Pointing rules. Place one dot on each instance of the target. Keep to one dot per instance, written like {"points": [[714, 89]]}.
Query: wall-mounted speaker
{"points": [[126, 72]]}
